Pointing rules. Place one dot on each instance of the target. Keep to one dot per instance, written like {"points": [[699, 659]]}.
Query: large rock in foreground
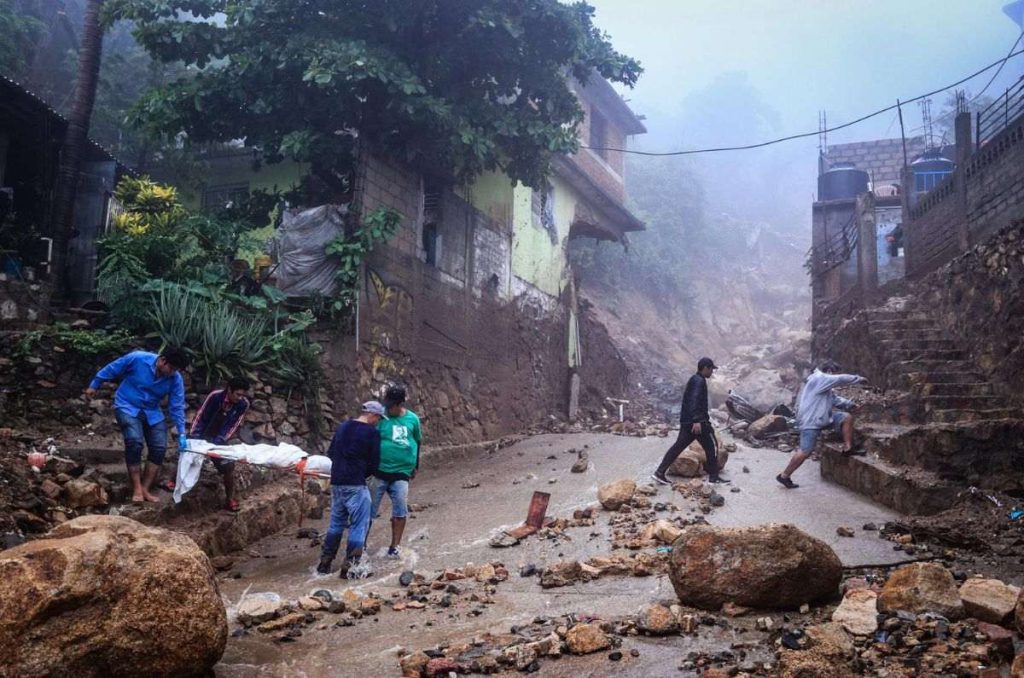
{"points": [[1019, 613], [920, 588], [108, 596], [770, 567]]}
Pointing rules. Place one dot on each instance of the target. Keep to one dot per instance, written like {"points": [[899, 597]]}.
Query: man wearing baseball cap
{"points": [[355, 455], [694, 424]]}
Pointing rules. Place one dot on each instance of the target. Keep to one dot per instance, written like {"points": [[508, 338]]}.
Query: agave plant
{"points": [[178, 317]]}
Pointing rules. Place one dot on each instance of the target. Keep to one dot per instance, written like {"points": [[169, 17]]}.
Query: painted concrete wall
{"points": [[535, 259]]}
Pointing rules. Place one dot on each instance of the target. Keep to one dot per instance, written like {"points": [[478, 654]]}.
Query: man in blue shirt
{"points": [[145, 380], [355, 455]]}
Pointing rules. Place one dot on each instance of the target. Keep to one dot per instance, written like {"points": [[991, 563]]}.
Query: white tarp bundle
{"points": [[282, 456], [304, 268]]}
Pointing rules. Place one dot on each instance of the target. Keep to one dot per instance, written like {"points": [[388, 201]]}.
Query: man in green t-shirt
{"points": [[400, 438]]}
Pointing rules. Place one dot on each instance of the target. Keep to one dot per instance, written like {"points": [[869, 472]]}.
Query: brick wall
{"points": [[882, 159], [984, 195]]}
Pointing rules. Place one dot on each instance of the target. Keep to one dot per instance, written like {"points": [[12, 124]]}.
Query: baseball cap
{"points": [[706, 362], [373, 407]]}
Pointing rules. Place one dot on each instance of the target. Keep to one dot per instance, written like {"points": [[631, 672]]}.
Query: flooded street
{"points": [[457, 523]]}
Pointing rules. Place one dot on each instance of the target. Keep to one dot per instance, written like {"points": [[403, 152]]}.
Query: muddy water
{"points": [[455, 529]]}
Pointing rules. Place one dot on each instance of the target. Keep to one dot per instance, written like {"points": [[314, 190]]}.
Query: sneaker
{"points": [[718, 480], [786, 482], [660, 478], [394, 553], [324, 567]]}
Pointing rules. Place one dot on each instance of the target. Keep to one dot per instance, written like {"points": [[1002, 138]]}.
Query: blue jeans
{"points": [[398, 490], [350, 507], [809, 436], [136, 430]]}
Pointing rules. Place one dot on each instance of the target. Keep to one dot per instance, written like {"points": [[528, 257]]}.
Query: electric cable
{"points": [[815, 133]]}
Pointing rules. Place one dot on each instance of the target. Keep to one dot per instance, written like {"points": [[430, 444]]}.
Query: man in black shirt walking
{"points": [[694, 424]]}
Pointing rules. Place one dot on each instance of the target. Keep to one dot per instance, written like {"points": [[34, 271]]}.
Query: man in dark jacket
{"points": [[694, 424]]}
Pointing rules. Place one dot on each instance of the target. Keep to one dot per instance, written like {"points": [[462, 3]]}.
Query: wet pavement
{"points": [[457, 522]]}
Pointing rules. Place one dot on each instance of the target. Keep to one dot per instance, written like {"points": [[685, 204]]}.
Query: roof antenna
{"points": [[926, 119]]}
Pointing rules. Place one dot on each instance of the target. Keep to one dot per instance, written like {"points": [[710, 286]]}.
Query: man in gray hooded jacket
{"points": [[818, 409]]}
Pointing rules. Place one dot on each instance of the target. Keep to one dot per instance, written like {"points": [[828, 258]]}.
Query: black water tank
{"points": [[842, 182]]}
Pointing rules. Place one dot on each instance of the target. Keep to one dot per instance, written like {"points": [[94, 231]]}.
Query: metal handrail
{"points": [[998, 115], [836, 250]]}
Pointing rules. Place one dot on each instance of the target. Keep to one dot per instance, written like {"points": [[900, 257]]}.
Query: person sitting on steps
{"points": [[818, 409]]}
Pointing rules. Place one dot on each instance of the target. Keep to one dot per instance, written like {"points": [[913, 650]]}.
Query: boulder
{"points": [[586, 638], [920, 588], [613, 495], [257, 608], [1019, 613], [690, 463], [989, 600], [661, 530], [769, 423], [413, 665], [768, 566], [84, 494], [764, 389], [658, 620], [1017, 670], [105, 596], [828, 653], [858, 613]]}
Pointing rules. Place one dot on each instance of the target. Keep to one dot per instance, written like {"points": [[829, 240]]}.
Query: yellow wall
{"points": [[534, 258]]}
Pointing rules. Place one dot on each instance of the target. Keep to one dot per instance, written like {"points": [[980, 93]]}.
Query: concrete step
{"points": [[917, 354], [909, 314], [964, 402], [918, 344], [962, 416], [985, 453], [977, 388], [904, 324], [934, 367], [887, 333], [903, 489]]}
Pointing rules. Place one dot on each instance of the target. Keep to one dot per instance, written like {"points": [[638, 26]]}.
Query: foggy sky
{"points": [[728, 72], [848, 57]]}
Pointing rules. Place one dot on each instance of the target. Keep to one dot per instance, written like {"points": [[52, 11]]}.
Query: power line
{"points": [[804, 135], [978, 96]]}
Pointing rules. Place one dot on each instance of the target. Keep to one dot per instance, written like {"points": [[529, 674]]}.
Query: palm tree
{"points": [[75, 141]]}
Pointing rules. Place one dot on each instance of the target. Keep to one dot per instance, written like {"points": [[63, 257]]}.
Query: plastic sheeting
{"points": [[304, 268], [190, 462]]}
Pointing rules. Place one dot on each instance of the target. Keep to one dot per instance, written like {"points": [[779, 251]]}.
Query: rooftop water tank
{"points": [[842, 182], [929, 169]]}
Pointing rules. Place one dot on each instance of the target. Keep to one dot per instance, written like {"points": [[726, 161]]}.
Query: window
{"points": [[431, 244], [543, 208], [225, 195], [926, 181], [598, 133], [432, 218]]}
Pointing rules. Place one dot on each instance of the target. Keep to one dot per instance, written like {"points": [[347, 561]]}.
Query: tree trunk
{"points": [[75, 141]]}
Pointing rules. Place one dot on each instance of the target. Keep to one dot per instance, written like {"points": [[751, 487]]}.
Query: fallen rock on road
{"points": [[768, 567], [920, 588], [613, 495]]}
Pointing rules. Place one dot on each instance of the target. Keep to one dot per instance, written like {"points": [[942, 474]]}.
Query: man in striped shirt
{"points": [[217, 422]]}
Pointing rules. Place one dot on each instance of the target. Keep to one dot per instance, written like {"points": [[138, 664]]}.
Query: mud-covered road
{"points": [[467, 501]]}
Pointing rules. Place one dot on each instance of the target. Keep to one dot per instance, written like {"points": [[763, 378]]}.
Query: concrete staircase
{"points": [[955, 430]]}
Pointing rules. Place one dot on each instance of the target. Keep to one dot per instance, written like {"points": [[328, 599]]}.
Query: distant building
{"points": [[31, 136]]}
